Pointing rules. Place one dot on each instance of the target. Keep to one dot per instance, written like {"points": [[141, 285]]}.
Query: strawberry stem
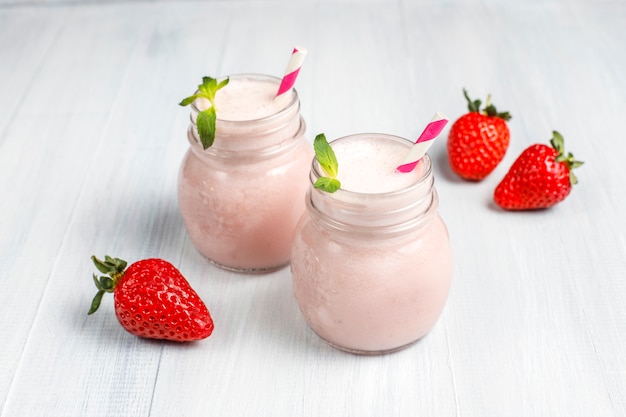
{"points": [[114, 270], [490, 110], [472, 106], [558, 144]]}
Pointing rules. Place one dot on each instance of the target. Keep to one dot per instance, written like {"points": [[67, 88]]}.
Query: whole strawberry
{"points": [[478, 140], [152, 299], [539, 178]]}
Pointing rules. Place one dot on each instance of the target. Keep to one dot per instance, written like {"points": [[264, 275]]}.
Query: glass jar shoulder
{"points": [[430, 237]]}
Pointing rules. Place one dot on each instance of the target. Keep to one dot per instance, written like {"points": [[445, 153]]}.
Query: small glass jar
{"points": [[371, 271], [241, 198]]}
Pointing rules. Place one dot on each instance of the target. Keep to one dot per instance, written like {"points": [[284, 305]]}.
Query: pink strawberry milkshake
{"points": [[241, 198], [371, 263]]}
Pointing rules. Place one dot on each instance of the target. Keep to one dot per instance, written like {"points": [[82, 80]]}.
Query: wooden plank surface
{"points": [[91, 138]]}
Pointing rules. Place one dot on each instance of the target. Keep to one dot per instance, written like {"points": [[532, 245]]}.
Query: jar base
{"points": [[361, 352], [254, 271]]}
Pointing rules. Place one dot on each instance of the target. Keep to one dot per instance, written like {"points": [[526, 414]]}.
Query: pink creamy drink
{"points": [[241, 198], [371, 263]]}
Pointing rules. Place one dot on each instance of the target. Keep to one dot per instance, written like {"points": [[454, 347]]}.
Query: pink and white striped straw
{"points": [[293, 68], [425, 140]]}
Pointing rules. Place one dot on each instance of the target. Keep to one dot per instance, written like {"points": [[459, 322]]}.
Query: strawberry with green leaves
{"points": [[152, 300], [478, 140], [539, 178]]}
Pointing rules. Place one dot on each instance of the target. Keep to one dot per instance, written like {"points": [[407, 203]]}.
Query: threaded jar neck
{"points": [[254, 136], [390, 212]]}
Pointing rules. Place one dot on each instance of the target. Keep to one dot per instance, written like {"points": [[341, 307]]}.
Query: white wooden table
{"points": [[91, 138]]}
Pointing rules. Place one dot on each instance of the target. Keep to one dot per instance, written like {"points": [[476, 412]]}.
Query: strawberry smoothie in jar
{"points": [[241, 197], [371, 263]]}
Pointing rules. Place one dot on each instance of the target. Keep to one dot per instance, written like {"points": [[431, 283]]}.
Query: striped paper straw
{"points": [[417, 152], [293, 68]]}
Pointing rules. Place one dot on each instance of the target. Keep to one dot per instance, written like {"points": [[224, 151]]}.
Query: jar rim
{"points": [[392, 211], [243, 123], [249, 154], [389, 229], [317, 170]]}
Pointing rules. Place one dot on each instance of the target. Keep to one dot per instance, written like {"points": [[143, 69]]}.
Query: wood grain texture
{"points": [[91, 138]]}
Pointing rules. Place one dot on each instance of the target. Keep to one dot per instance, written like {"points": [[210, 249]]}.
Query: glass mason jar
{"points": [[241, 198], [371, 271]]}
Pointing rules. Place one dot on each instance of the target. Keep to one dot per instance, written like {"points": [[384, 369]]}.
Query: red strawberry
{"points": [[478, 140], [539, 178], [152, 299]]}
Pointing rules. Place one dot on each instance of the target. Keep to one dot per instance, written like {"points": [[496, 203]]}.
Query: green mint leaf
{"points": [[329, 185], [206, 118], [325, 155], [223, 83], [188, 100], [206, 126], [208, 86]]}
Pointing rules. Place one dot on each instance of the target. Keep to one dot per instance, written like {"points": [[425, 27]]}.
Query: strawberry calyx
{"points": [[558, 144], [114, 269], [489, 110]]}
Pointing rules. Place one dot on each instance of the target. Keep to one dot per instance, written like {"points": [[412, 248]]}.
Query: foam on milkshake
{"points": [[246, 98], [367, 165]]}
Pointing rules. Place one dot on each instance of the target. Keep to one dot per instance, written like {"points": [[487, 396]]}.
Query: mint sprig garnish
{"points": [[328, 161], [206, 118]]}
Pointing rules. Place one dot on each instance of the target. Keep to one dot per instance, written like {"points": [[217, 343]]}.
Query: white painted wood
{"points": [[91, 138]]}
